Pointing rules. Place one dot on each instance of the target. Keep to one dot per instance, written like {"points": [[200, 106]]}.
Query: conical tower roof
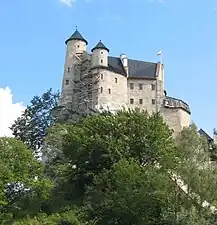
{"points": [[100, 45], [76, 36]]}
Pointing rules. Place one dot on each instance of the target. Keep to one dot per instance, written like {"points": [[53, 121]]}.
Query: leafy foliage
{"points": [[31, 127], [130, 194], [195, 166], [67, 218], [97, 142], [22, 180]]}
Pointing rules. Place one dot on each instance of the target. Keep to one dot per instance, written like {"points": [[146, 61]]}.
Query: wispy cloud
{"points": [[68, 3]]}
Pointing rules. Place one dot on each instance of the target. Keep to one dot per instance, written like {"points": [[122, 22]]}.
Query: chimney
{"points": [[215, 136], [124, 61]]}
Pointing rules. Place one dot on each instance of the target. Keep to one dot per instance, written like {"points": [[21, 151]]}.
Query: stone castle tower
{"points": [[97, 81]]}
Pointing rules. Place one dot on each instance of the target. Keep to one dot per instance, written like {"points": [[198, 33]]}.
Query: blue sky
{"points": [[32, 49]]}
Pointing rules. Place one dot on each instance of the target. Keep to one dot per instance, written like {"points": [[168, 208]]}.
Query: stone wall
{"points": [[143, 94], [112, 90], [176, 118]]}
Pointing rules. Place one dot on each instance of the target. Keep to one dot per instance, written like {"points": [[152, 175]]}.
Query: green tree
{"points": [[66, 218], [195, 166], [131, 194], [31, 127], [22, 183], [85, 149]]}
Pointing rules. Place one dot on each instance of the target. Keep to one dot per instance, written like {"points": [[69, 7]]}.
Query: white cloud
{"points": [[68, 3], [9, 111]]}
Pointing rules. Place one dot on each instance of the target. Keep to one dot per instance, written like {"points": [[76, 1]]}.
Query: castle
{"points": [[97, 81]]}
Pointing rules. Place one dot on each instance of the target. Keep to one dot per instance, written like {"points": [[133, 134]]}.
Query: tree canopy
{"points": [[31, 127], [22, 181]]}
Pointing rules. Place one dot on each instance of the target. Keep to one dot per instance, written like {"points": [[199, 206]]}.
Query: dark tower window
{"points": [[140, 101], [153, 87], [131, 86], [131, 101], [78, 46], [116, 80], [140, 86], [101, 89], [101, 75], [101, 61], [68, 69], [101, 52], [109, 91], [153, 101], [67, 82]]}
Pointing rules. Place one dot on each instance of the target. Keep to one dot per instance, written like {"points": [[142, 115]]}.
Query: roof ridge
{"points": [[137, 60]]}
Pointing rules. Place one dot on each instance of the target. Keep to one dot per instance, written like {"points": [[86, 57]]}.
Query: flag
{"points": [[159, 53]]}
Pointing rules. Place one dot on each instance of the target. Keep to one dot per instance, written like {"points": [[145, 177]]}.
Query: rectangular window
{"points": [[131, 86], [101, 89], [153, 87], [116, 80], [68, 69], [67, 82], [109, 91], [153, 101], [131, 101], [140, 86], [140, 101], [101, 75], [101, 61]]}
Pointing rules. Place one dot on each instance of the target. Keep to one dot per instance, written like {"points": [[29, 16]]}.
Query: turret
{"points": [[100, 55], [76, 45]]}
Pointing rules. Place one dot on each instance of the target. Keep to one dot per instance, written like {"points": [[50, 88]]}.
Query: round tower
{"points": [[76, 45], [100, 55]]}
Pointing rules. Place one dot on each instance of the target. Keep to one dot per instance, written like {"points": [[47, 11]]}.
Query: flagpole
{"points": [[161, 56]]}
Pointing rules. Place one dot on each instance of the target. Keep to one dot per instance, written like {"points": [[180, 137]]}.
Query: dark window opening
{"points": [[153, 87], [131, 86], [67, 82], [140, 86], [101, 89], [78, 46], [131, 101], [101, 76], [101, 52], [109, 91], [101, 61], [153, 101], [116, 80], [140, 101], [68, 69]]}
